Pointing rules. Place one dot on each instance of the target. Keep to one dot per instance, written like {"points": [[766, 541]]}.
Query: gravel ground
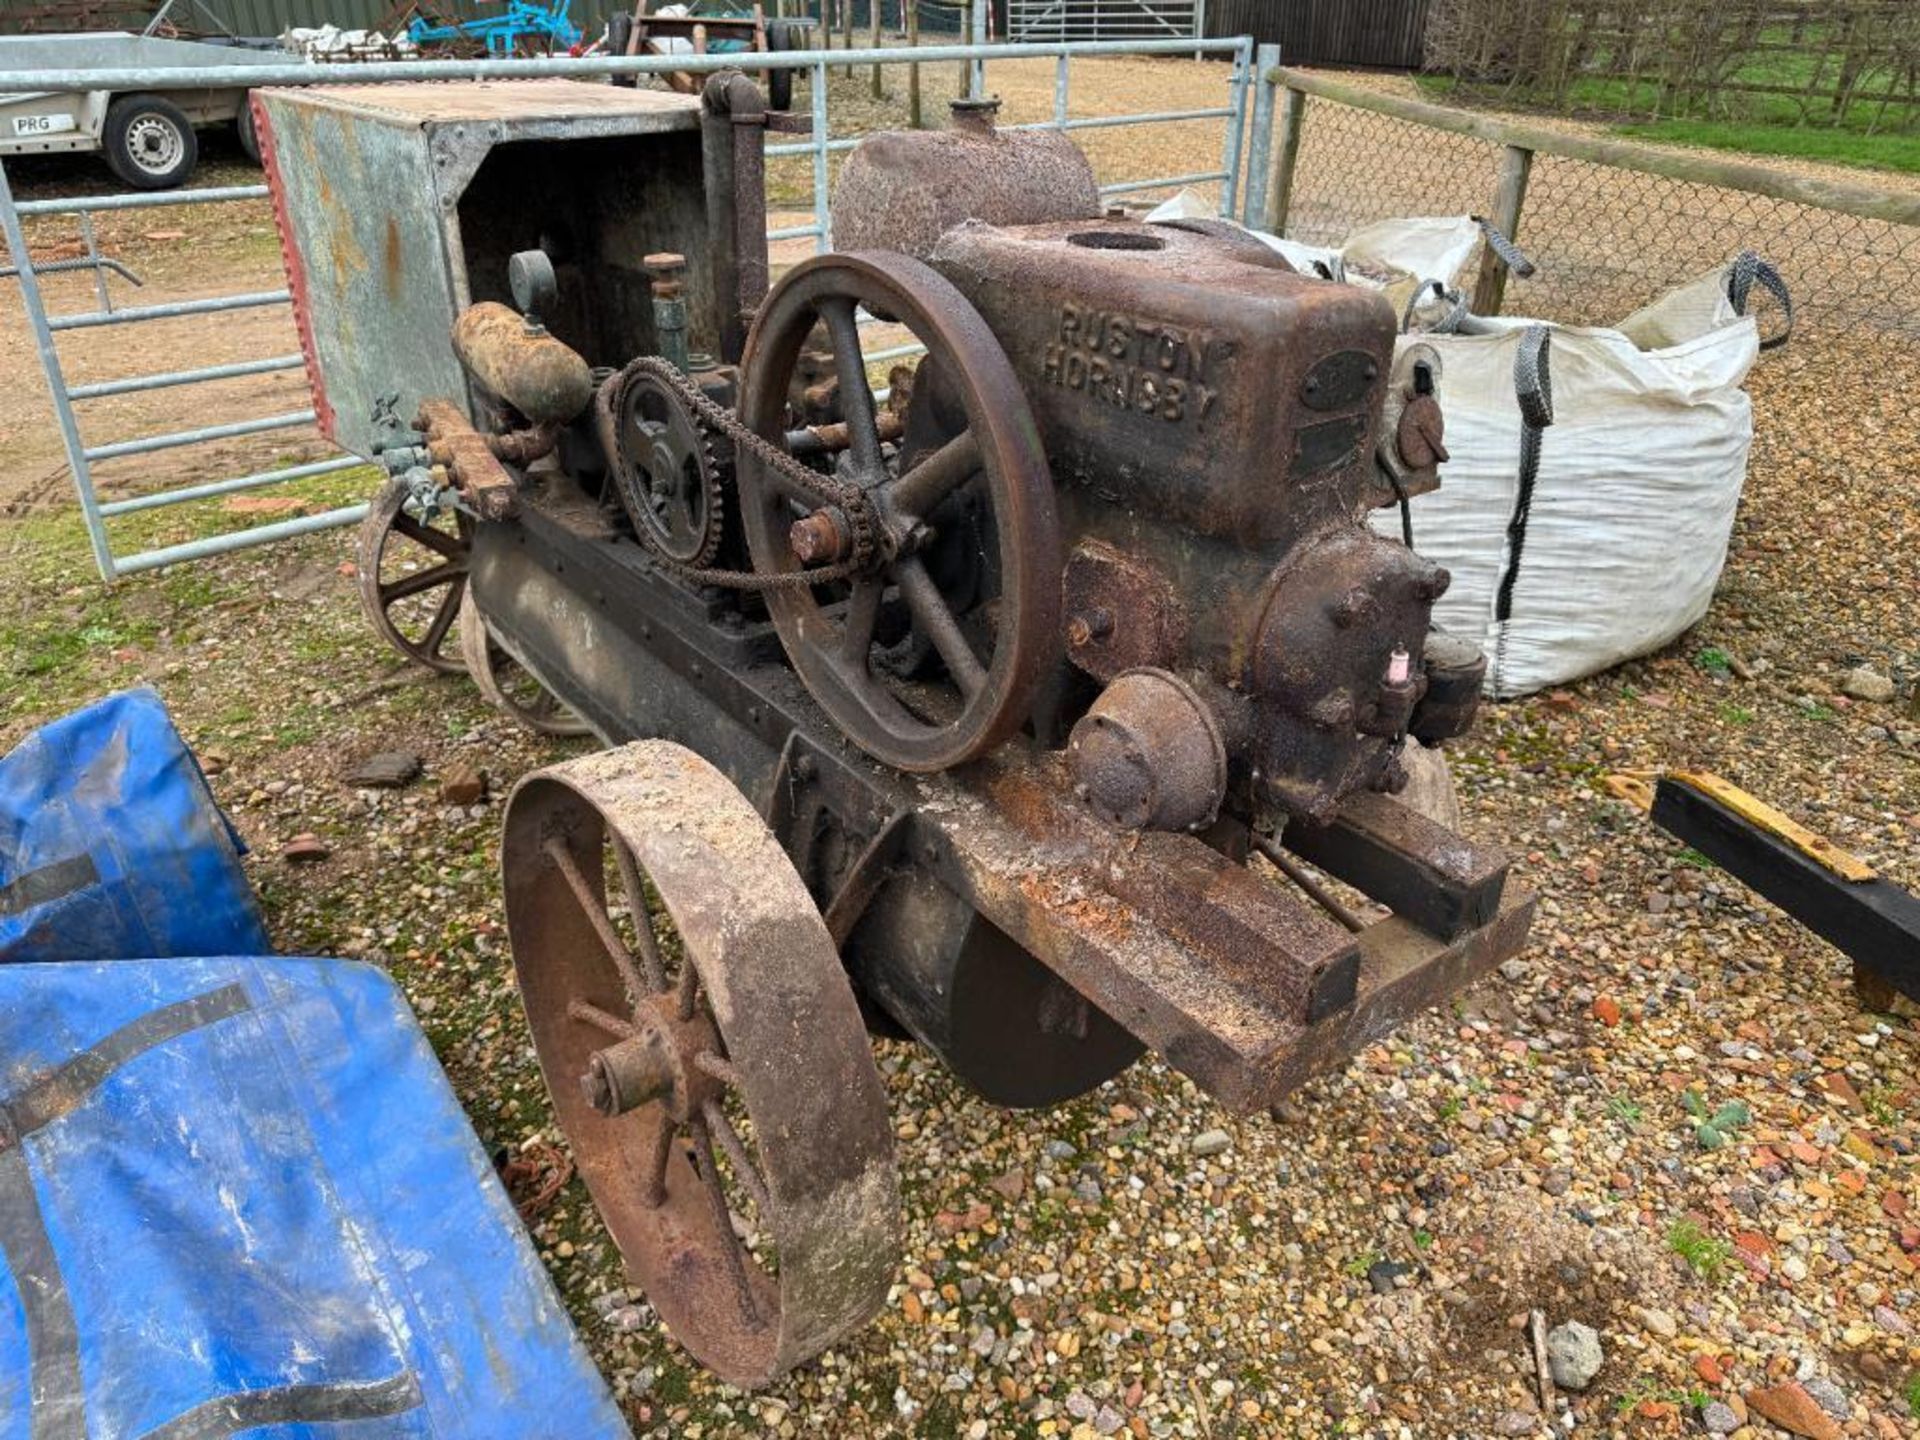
{"points": [[1136, 1262]]}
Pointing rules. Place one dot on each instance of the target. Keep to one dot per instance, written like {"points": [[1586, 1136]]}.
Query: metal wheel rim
{"points": [[791, 1046], [488, 662], [164, 138], [387, 518], [1010, 454]]}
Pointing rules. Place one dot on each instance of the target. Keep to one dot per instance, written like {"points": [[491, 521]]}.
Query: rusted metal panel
{"points": [[1161, 362], [399, 205]]}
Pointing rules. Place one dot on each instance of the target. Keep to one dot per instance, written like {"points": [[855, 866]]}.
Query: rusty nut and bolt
{"points": [[821, 538]]}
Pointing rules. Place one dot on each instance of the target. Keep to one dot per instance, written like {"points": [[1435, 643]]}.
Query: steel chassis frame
{"points": [[1239, 983]]}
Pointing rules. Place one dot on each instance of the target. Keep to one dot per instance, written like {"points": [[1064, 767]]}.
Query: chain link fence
{"points": [[1607, 239]]}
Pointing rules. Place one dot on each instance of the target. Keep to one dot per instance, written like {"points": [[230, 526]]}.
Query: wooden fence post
{"points": [[1516, 164], [875, 11], [912, 8], [1293, 115]]}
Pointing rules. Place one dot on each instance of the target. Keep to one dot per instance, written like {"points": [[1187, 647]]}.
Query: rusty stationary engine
{"points": [[1210, 421], [1012, 557]]}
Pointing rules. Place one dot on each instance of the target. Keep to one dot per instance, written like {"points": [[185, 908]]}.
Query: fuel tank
{"points": [[901, 190]]}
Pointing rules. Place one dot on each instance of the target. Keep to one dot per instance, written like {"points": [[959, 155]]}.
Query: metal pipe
{"points": [[822, 207], [96, 263], [793, 232], [168, 378], [145, 200], [381, 71], [1200, 177], [56, 377], [1253, 209], [227, 487], [102, 295], [1315, 891], [174, 439], [173, 310], [1236, 127], [241, 539], [1107, 122]]}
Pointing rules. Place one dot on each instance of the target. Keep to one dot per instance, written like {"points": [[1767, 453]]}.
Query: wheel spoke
{"points": [[443, 618], [648, 953], [588, 1013], [856, 395], [421, 580], [657, 1156], [594, 909], [862, 616], [921, 489], [451, 546], [931, 614], [722, 1217], [687, 989], [718, 1066], [737, 1156]]}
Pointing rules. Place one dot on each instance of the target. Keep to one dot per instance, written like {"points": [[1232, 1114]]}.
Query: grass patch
{"points": [[1625, 1109], [67, 638], [1900, 153], [1705, 1254]]}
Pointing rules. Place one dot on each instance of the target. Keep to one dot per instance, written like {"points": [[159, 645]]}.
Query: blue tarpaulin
{"points": [[111, 846], [238, 1197]]}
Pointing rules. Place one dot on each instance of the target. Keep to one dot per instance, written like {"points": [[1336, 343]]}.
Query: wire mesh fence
{"points": [[1606, 239]]}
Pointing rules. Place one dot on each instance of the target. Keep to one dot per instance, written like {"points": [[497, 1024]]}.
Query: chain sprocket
{"points": [[715, 419], [669, 478]]}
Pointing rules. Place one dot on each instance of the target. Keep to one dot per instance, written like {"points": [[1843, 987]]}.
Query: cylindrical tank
{"points": [[901, 190]]}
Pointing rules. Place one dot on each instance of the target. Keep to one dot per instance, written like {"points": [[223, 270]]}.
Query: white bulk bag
{"points": [[1639, 476]]}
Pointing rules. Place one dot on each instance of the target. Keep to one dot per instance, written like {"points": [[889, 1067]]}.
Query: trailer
{"points": [[147, 137]]}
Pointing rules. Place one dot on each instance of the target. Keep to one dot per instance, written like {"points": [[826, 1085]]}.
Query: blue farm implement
{"points": [[524, 27]]}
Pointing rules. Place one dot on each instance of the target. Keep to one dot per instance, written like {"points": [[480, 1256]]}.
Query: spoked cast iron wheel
{"points": [[413, 572], [504, 682], [993, 435], [705, 1055]]}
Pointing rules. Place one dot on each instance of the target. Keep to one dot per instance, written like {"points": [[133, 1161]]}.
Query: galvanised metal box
{"points": [[398, 206]]}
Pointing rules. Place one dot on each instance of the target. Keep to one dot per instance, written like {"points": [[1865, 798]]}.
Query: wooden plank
{"points": [[1896, 207], [1874, 923]]}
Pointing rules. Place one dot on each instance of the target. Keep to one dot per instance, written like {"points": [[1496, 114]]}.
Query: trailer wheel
{"points": [[149, 142], [779, 82], [246, 131]]}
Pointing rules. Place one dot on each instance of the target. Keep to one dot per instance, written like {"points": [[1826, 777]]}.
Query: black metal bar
{"points": [[1874, 923], [1445, 884]]}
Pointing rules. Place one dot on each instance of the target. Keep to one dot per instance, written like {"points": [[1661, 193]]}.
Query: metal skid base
{"points": [[1239, 981]]}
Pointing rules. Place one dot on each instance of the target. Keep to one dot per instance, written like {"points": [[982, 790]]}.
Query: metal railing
{"points": [[820, 145]]}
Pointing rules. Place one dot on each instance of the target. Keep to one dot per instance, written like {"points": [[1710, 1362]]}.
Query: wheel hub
{"points": [[658, 1062]]}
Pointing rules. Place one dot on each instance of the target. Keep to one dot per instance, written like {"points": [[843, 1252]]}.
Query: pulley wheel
{"points": [[413, 571], [992, 649], [505, 682], [705, 1055]]}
